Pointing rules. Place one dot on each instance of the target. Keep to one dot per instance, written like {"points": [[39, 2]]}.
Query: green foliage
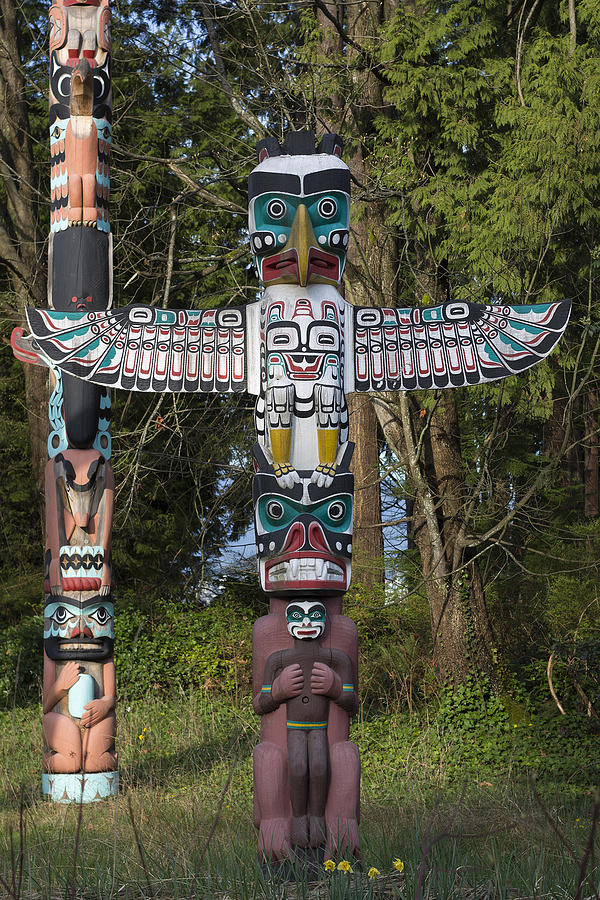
{"points": [[470, 706], [21, 662], [168, 647], [20, 522], [474, 837], [478, 731], [394, 646]]}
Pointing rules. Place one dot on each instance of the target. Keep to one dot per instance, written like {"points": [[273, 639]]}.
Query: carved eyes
{"points": [[276, 209], [61, 615], [326, 340], [337, 511], [274, 510], [282, 340], [101, 615], [327, 207]]}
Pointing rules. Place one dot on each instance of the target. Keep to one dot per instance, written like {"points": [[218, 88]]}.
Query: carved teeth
{"points": [[307, 569]]}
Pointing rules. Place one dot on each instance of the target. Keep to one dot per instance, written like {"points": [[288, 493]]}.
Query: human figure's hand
{"points": [[289, 683], [54, 577], [95, 711], [323, 680], [106, 580], [67, 677]]}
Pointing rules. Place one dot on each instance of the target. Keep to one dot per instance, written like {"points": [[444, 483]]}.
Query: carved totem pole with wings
{"points": [[300, 349], [79, 673]]}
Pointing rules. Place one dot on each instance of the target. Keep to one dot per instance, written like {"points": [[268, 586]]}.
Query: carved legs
{"points": [[82, 199], [308, 760], [71, 751], [318, 767], [61, 735], [98, 743], [342, 812], [299, 777], [271, 793], [324, 796]]}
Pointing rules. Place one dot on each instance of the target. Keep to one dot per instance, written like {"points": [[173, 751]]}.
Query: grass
{"points": [[175, 832]]}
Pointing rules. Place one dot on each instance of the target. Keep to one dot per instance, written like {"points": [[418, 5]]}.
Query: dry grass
{"points": [[487, 839]]}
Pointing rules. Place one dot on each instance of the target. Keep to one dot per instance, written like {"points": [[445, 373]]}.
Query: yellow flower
{"points": [[344, 866], [329, 865], [398, 864], [373, 872], [141, 737]]}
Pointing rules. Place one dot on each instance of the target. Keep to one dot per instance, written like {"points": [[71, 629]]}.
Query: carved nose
{"points": [[81, 632], [294, 539], [301, 239], [316, 538]]}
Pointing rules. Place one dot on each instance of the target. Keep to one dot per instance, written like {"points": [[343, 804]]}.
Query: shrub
{"points": [[21, 662]]}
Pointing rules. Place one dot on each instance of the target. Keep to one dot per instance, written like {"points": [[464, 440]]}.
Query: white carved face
{"points": [[306, 620]]}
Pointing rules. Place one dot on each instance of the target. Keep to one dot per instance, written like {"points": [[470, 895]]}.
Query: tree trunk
{"points": [[429, 446], [591, 483], [21, 246], [367, 540], [369, 278], [571, 469]]}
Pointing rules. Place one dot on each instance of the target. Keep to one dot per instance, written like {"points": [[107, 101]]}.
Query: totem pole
{"points": [[79, 673], [300, 349]]}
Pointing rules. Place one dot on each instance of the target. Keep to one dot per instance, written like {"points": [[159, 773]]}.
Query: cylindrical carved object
{"points": [[305, 652], [79, 672], [300, 349]]}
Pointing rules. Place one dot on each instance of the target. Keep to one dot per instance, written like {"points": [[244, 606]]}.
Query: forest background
{"points": [[472, 130]]}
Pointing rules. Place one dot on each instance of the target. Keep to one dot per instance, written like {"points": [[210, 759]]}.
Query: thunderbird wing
{"points": [[452, 345], [141, 348]]}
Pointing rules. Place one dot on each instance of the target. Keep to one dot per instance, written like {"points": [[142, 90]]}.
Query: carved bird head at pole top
{"points": [[299, 210]]}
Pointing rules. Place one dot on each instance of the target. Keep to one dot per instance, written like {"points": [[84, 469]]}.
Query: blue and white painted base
{"points": [[80, 787]]}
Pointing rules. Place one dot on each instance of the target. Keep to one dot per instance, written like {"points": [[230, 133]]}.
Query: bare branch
{"points": [[245, 114], [551, 685]]}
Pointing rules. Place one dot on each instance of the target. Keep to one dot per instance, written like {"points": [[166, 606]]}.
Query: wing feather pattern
{"points": [[141, 348], [452, 345]]}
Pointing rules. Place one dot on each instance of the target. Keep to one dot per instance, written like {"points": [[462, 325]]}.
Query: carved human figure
{"points": [[81, 147], [80, 113], [79, 510], [89, 746], [288, 797], [79, 673], [307, 677], [79, 685]]}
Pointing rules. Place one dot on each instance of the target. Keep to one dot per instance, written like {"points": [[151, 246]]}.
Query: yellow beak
{"points": [[302, 238]]}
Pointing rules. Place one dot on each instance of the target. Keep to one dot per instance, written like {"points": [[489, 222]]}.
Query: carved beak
{"points": [[301, 239]]}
